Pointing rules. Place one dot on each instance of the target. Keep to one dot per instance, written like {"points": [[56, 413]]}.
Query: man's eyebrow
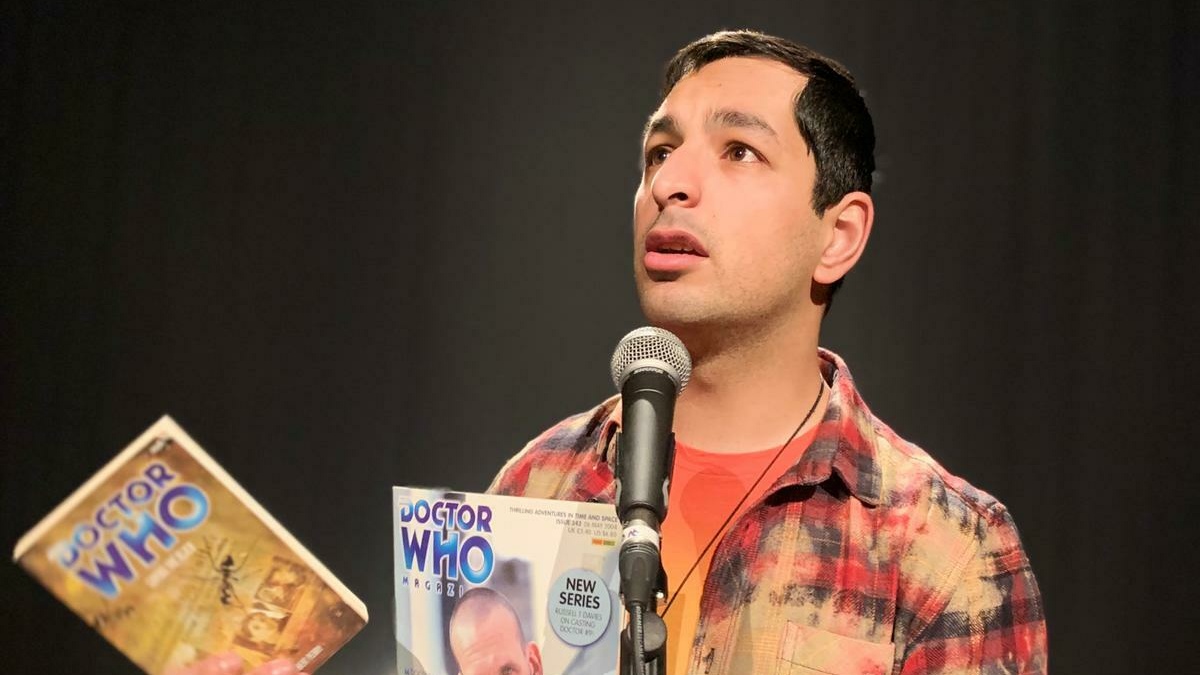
{"points": [[663, 124], [727, 117], [724, 117]]}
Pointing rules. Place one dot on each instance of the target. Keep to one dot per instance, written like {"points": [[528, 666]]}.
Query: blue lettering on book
{"points": [[99, 551], [457, 547]]}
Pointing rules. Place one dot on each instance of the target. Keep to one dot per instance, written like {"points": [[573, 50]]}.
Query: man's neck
{"points": [[750, 395]]}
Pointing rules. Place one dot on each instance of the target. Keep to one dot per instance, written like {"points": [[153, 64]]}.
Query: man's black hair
{"points": [[830, 112]]}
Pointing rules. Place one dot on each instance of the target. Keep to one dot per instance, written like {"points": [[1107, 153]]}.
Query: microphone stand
{"points": [[644, 639]]}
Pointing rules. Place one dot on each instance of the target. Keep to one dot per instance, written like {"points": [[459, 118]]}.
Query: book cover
{"points": [[496, 584], [164, 554]]}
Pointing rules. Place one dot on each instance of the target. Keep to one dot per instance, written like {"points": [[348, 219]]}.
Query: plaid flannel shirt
{"points": [[866, 556]]}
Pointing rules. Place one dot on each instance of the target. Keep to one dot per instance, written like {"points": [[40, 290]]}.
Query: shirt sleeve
{"points": [[514, 475], [564, 462], [992, 620]]}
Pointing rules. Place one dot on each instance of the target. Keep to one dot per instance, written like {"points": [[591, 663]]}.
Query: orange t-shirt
{"points": [[705, 488]]}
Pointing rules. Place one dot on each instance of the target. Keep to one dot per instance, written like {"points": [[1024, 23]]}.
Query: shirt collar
{"points": [[844, 443], [845, 440]]}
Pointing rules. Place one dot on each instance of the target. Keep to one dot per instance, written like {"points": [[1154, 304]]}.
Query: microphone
{"points": [[650, 367]]}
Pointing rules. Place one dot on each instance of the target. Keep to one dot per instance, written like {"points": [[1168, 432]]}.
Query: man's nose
{"points": [[677, 181]]}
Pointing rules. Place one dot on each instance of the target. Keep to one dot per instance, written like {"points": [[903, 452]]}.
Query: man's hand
{"points": [[231, 664]]}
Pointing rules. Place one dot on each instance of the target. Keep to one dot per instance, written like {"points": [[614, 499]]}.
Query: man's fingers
{"points": [[231, 664], [221, 664], [276, 667]]}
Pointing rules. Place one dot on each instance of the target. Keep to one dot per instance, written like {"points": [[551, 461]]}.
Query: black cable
{"points": [[637, 637], [720, 530]]}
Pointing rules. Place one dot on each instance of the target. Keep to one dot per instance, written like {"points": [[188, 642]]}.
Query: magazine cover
{"points": [[494, 584], [171, 560]]}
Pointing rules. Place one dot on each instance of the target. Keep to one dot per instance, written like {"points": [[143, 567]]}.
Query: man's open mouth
{"points": [[674, 242]]}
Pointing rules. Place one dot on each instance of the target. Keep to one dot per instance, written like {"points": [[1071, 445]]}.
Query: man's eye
{"points": [[657, 155], [742, 153]]}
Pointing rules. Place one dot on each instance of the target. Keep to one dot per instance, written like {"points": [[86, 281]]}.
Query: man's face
{"points": [[724, 231], [490, 643]]}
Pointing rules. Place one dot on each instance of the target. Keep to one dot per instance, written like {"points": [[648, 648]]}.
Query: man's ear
{"points": [[851, 220], [534, 656]]}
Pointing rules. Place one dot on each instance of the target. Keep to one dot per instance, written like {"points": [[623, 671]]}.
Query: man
{"points": [[803, 534], [486, 637]]}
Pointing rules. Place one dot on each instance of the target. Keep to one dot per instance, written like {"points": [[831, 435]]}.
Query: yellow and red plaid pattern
{"points": [[866, 556]]}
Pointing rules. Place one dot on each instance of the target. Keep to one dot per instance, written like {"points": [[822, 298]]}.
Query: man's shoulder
{"points": [[882, 467], [576, 433], [576, 447], [961, 555], [911, 476]]}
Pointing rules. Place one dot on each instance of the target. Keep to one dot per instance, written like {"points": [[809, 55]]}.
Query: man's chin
{"points": [[680, 318], [670, 299], [666, 314]]}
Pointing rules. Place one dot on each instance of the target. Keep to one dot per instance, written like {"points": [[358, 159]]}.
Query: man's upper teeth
{"points": [[678, 248]]}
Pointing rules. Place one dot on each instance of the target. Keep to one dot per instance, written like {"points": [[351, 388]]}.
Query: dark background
{"points": [[386, 243]]}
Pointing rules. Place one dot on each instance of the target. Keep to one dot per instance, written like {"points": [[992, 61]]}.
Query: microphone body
{"points": [[645, 456], [644, 466], [650, 367]]}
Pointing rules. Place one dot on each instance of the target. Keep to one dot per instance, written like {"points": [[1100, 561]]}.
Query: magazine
{"points": [[172, 561], [504, 584]]}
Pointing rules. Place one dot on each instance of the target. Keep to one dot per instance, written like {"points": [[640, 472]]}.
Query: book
{"points": [[164, 554], [488, 583]]}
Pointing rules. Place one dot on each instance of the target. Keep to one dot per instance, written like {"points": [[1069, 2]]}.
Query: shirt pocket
{"points": [[805, 650]]}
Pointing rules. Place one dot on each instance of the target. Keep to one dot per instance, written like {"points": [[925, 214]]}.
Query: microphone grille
{"points": [[651, 347]]}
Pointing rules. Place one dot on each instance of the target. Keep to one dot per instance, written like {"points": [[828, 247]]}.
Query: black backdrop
{"points": [[373, 244]]}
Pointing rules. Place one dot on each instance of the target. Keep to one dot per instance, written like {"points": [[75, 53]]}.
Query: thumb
{"points": [[276, 667]]}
